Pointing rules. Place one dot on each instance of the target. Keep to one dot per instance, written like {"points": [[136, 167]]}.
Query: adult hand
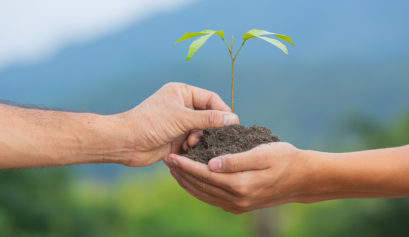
{"points": [[278, 173], [270, 174], [161, 124], [164, 123]]}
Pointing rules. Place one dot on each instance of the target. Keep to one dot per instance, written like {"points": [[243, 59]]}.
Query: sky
{"points": [[36, 30]]}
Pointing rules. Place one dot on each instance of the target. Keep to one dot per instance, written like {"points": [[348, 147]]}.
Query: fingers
{"points": [[206, 100], [255, 159], [233, 191], [203, 119], [205, 187], [194, 137], [178, 144], [202, 109], [200, 171], [202, 195]]}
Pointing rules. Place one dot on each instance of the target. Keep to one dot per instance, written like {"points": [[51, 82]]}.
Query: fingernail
{"points": [[215, 164], [230, 119]]}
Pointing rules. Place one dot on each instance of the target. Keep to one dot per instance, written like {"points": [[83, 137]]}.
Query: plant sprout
{"points": [[254, 33]]}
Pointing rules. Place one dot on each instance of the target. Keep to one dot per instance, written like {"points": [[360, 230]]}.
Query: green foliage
{"points": [[189, 35], [206, 34], [50, 202], [255, 33]]}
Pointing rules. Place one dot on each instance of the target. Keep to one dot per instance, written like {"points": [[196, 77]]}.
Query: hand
{"points": [[169, 119], [270, 174]]}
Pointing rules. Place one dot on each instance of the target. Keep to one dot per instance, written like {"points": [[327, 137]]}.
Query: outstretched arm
{"points": [[30, 137], [279, 173], [162, 124]]}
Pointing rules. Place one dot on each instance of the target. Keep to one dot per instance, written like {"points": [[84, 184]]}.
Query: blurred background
{"points": [[344, 87]]}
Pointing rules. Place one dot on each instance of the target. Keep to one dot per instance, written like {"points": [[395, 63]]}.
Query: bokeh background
{"points": [[344, 87]]}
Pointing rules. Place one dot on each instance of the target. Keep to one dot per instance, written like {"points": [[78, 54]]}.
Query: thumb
{"points": [[202, 119], [249, 160]]}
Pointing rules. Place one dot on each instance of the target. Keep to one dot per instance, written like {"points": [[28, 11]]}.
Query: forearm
{"points": [[372, 173], [30, 138]]}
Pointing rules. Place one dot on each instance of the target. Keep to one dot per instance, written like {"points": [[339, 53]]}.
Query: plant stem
{"points": [[233, 58], [226, 44], [232, 85], [239, 50], [232, 74]]}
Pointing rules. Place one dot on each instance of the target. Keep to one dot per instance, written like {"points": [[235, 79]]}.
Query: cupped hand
{"points": [[168, 120], [268, 175]]}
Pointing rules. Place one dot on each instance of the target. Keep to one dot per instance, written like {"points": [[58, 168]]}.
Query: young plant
{"points": [[254, 33]]}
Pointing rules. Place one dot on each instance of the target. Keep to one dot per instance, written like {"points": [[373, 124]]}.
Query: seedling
{"points": [[254, 33]]}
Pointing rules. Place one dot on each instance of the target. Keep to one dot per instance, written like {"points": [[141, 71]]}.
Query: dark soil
{"points": [[228, 140]]}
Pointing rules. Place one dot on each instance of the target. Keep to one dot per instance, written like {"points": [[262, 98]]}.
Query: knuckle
{"points": [[240, 188], [129, 163], [242, 191], [231, 163], [185, 86], [214, 98], [173, 85], [242, 204], [211, 118], [168, 85], [286, 144]]}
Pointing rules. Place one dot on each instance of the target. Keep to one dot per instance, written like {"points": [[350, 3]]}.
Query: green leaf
{"points": [[190, 35], [219, 33], [206, 34], [276, 43], [285, 38], [255, 33], [259, 33], [196, 45]]}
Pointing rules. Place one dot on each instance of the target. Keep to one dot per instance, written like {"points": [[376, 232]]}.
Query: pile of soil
{"points": [[228, 140]]}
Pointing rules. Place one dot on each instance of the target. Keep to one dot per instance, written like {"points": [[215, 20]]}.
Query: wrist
{"points": [[321, 176], [106, 139], [334, 176]]}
